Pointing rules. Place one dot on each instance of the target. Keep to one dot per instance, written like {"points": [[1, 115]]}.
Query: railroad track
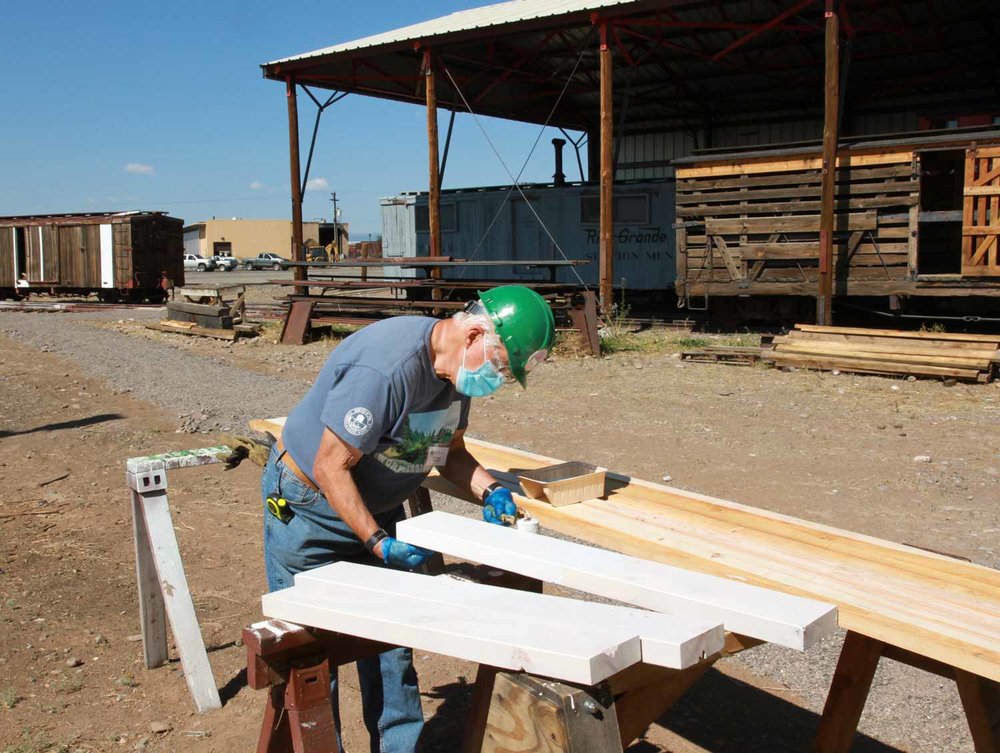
{"points": [[257, 311]]}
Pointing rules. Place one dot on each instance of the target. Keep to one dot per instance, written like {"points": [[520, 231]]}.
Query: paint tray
{"points": [[564, 483]]}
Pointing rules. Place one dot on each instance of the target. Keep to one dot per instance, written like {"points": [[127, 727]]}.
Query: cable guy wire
{"points": [[515, 181]]}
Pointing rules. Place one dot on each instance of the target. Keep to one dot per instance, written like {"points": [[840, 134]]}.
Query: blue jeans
{"points": [[390, 699]]}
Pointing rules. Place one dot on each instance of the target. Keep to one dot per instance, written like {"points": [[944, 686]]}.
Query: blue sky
{"points": [[135, 105]]}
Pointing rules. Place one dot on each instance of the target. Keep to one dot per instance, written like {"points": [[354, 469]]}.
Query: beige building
{"points": [[243, 238]]}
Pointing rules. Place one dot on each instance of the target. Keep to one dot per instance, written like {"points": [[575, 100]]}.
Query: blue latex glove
{"points": [[400, 554], [499, 502]]}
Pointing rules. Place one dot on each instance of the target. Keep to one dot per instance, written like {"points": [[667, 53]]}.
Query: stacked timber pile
{"points": [[208, 312], [971, 358], [731, 354]]}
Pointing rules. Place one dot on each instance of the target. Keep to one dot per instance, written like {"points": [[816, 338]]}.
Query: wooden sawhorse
{"points": [[510, 710], [852, 681]]}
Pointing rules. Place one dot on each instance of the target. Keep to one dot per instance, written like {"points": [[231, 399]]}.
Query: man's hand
{"points": [[499, 502], [397, 553]]}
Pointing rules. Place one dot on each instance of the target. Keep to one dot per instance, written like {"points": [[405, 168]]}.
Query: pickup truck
{"points": [[226, 263], [198, 262], [266, 260]]}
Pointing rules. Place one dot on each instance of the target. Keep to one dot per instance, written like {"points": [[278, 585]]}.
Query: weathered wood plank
{"points": [[856, 174], [806, 223], [873, 366], [950, 336], [764, 165], [752, 611]]}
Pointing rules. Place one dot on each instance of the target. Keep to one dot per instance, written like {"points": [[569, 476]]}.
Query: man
{"points": [[392, 402]]}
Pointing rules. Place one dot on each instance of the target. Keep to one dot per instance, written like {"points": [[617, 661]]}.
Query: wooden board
{"points": [[537, 642], [930, 604], [772, 165], [944, 336], [666, 641], [177, 600], [804, 223], [749, 610], [181, 328]]}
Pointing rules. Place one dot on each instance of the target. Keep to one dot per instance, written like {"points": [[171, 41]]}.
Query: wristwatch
{"points": [[491, 488], [373, 540]]}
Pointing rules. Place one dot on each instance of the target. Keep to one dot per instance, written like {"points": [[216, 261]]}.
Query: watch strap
{"points": [[491, 488], [375, 538]]}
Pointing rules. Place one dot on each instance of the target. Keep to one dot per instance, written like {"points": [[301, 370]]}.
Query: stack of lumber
{"points": [[731, 354], [209, 312], [971, 358], [557, 637], [933, 605]]}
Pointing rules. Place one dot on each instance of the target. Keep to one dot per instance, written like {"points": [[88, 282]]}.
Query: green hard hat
{"points": [[524, 323]]}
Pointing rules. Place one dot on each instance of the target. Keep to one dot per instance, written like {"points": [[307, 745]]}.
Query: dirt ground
{"points": [[835, 449]]}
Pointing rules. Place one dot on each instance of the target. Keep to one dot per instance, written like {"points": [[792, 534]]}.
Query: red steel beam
{"points": [[764, 27]]}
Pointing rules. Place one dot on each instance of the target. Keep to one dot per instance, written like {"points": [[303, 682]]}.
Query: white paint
{"points": [[13, 245], [516, 640], [177, 600], [107, 257], [750, 610], [666, 640]]}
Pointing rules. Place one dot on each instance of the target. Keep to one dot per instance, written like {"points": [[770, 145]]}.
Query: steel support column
{"points": [[606, 260], [831, 107], [298, 253], [434, 183]]}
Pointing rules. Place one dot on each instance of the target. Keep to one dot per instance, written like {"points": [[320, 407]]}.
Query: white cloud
{"points": [[316, 184], [257, 186], [137, 168]]}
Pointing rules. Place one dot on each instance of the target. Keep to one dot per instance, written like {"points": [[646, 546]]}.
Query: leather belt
{"points": [[291, 465]]}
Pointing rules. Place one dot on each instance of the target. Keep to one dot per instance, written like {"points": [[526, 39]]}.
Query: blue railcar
{"points": [[478, 224]]}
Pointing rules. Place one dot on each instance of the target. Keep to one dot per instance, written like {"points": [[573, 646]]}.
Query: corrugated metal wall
{"points": [[642, 149], [399, 234]]}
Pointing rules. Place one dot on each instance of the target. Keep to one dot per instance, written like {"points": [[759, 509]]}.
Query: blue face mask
{"points": [[479, 383]]}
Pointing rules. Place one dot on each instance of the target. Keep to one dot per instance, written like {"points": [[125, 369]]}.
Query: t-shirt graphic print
{"points": [[426, 437]]}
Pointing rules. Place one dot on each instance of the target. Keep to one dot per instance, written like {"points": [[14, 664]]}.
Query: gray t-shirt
{"points": [[378, 392]]}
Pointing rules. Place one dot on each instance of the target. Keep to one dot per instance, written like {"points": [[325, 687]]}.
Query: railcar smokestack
{"points": [[559, 178]]}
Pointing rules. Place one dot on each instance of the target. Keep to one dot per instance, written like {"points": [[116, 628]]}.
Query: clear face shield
{"points": [[494, 350]]}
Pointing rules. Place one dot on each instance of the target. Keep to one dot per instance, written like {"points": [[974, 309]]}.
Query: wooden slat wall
{"points": [[92, 256], [121, 236], [71, 267], [744, 226], [7, 277], [50, 242], [981, 213], [32, 254]]}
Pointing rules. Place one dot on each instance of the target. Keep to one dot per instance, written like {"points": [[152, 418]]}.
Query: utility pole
{"points": [[336, 231]]}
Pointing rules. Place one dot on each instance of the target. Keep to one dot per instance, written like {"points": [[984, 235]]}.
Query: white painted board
{"points": [[750, 610], [177, 600], [516, 641], [666, 640], [107, 257]]}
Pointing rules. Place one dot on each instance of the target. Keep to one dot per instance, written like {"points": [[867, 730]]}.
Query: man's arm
{"points": [[463, 470], [332, 471]]}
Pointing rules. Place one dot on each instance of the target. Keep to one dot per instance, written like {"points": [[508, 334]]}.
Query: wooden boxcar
{"points": [[915, 216], [118, 255]]}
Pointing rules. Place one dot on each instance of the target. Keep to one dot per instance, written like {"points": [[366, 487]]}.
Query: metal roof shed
{"points": [[649, 66]]}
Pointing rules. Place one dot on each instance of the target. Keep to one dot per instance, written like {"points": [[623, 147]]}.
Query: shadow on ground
{"points": [[720, 714], [76, 423]]}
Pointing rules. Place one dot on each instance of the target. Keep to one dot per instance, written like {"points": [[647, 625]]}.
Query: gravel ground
{"points": [[206, 392]]}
